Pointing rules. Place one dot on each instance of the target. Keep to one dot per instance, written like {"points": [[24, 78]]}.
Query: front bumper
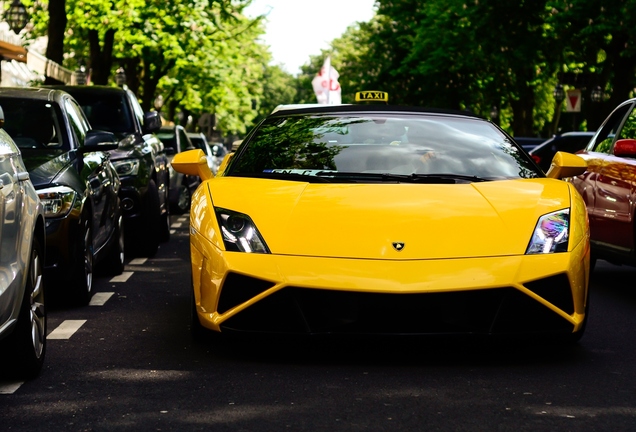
{"points": [[308, 295]]}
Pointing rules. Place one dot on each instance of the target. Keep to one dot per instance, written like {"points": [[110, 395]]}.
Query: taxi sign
{"points": [[372, 96]]}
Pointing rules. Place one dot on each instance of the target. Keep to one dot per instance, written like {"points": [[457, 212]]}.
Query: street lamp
{"points": [[158, 102], [558, 93], [559, 97], [16, 16], [80, 76], [120, 77], [597, 94]]}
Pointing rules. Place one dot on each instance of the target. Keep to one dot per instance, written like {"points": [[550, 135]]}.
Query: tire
{"points": [[27, 343], [82, 284], [148, 240], [164, 226], [183, 200], [114, 262]]}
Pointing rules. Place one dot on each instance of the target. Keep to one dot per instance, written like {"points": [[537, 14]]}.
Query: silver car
{"points": [[22, 248]]}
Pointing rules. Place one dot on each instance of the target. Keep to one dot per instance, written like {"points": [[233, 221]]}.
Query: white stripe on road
{"points": [[173, 231], [100, 298], [122, 277], [176, 225], [138, 261], [10, 388], [184, 219], [66, 329]]}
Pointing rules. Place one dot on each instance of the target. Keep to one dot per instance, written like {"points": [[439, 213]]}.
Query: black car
{"points": [[139, 160], [570, 142], [75, 181], [176, 140]]}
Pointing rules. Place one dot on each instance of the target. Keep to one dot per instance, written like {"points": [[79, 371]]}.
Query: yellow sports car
{"points": [[370, 219]]}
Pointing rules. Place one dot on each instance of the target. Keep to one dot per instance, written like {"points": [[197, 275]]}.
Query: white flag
{"points": [[326, 85]]}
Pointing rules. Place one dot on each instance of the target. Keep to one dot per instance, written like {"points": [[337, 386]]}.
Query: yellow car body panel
{"points": [[339, 237]]}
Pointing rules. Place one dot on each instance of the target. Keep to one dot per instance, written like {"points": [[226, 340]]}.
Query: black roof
{"points": [[37, 93], [363, 108], [92, 89]]}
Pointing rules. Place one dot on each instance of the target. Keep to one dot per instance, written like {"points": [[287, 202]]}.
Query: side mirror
{"points": [[152, 121], [566, 165], [625, 148], [192, 162], [97, 140]]}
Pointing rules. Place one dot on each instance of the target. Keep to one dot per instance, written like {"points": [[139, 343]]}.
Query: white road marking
{"points": [[173, 231], [10, 387], [176, 225], [184, 219], [138, 261], [122, 277], [100, 298], [66, 329]]}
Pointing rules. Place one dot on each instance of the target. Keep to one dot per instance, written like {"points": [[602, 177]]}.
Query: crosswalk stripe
{"points": [[122, 277], [138, 261], [66, 329], [100, 298], [176, 225]]}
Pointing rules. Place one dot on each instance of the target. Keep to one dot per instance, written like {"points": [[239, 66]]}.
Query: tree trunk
{"points": [[101, 57], [57, 27]]}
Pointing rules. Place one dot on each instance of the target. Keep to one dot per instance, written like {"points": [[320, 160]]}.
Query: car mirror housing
{"points": [[625, 148], [152, 121], [192, 162], [97, 140], [566, 165]]}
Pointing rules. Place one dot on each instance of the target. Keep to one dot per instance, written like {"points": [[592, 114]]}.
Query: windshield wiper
{"points": [[285, 176], [405, 178]]}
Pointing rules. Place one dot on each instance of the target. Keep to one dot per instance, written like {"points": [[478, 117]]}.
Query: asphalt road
{"points": [[128, 363]]}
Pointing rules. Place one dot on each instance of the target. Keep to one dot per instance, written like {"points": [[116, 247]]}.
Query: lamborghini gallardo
{"points": [[386, 220]]}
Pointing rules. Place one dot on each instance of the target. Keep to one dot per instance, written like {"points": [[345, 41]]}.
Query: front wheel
{"points": [[183, 201], [27, 343], [83, 271], [114, 263]]}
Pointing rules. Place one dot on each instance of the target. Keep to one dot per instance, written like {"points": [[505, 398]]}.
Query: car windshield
{"points": [[367, 147], [33, 124], [107, 112]]}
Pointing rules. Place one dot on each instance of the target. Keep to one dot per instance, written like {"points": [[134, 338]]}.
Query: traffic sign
{"points": [[573, 101]]}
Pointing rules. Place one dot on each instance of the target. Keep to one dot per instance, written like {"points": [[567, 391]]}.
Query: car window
{"points": [[105, 111], [605, 137], [382, 144], [184, 140], [21, 117], [137, 109], [169, 138], [77, 120], [629, 127]]}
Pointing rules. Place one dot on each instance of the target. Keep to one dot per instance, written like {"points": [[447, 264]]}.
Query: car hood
{"points": [[433, 221], [44, 165]]}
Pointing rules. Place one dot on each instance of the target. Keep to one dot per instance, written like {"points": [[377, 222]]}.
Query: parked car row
{"points": [[83, 180]]}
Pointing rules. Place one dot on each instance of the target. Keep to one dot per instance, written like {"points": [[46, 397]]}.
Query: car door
{"points": [[607, 185], [97, 175], [11, 269]]}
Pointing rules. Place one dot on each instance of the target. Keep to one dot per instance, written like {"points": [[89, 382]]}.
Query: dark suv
{"points": [[140, 162]]}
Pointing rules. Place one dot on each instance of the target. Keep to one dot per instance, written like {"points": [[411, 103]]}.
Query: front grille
{"points": [[313, 311]]}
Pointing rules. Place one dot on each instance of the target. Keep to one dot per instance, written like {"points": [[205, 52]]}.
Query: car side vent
{"points": [[556, 290], [238, 289]]}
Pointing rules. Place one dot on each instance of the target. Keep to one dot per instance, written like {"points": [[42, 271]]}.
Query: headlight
{"points": [[126, 167], [239, 232], [57, 201], [551, 233]]}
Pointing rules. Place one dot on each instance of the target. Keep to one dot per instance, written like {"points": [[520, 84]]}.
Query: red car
{"points": [[609, 186]]}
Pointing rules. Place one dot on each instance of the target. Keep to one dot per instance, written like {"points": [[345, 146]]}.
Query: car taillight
{"points": [[536, 158]]}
